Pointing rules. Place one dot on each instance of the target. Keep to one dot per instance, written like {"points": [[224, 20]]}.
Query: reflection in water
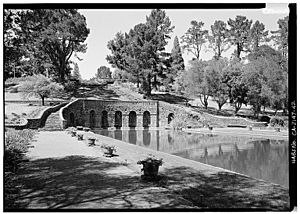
{"points": [[146, 137], [132, 136], [258, 158]]}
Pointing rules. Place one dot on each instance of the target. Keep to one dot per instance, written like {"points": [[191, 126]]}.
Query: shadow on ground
{"points": [[225, 190], [77, 182]]}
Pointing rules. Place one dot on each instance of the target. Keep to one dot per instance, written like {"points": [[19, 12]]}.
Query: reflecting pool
{"points": [[258, 158]]}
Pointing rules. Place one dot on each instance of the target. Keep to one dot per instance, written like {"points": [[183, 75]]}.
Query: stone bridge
{"points": [[119, 114]]}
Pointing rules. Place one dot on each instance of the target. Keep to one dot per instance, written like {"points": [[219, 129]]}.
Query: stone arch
{"points": [[92, 119], [132, 119], [170, 117], [72, 119], [104, 119], [146, 119], [118, 119]]}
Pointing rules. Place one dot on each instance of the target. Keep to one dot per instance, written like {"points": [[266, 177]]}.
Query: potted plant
{"points": [[150, 166], [73, 133], [109, 149], [210, 128], [80, 136], [91, 140]]}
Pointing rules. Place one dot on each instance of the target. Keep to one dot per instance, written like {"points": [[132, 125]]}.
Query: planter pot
{"points": [[277, 129], [73, 133], [150, 169], [86, 129], [79, 128], [80, 136], [91, 141], [109, 151]]}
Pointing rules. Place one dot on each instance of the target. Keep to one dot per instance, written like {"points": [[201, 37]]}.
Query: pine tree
{"points": [[176, 61]]}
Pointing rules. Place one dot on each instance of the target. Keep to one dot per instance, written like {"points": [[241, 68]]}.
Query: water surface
{"points": [[258, 158]]}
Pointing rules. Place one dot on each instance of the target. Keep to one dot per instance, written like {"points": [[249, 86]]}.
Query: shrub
{"points": [[16, 144], [277, 121]]}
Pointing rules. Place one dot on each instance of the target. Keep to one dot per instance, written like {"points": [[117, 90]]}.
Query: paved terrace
{"points": [[65, 173]]}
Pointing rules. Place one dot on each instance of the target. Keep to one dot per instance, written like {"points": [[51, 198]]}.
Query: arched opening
{"points": [[104, 119], [72, 119], [92, 119], [118, 119], [170, 117], [146, 119], [132, 119]]}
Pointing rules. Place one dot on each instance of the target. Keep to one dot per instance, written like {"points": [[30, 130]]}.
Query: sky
{"points": [[104, 24]]}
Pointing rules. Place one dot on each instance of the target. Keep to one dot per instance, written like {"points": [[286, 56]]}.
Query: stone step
{"points": [[52, 123]]}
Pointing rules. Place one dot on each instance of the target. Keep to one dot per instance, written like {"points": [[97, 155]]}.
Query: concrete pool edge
{"points": [[132, 153]]}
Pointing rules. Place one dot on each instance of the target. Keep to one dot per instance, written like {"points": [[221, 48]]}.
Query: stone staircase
{"points": [[52, 123]]}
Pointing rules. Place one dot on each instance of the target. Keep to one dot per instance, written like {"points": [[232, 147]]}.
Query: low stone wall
{"points": [[35, 123]]}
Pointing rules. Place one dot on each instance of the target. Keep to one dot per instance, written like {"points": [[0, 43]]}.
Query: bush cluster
{"points": [[16, 144], [277, 121]]}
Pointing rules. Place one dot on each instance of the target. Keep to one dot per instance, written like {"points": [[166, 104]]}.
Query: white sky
{"points": [[104, 24]]}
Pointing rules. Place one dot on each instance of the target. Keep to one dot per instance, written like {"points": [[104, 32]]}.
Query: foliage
{"points": [[176, 64], [103, 72], [239, 32], [194, 38], [196, 83], [281, 36], [47, 38], [277, 121], [151, 159], [258, 34], [15, 145], [237, 89], [214, 76], [266, 79], [40, 86], [76, 73], [141, 51], [219, 38]]}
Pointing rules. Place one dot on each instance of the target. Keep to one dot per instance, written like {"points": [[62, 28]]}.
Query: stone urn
{"points": [[150, 167], [91, 141], [80, 136], [73, 133]]}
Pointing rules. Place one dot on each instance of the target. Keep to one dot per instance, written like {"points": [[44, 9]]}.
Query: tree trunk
{"points": [[237, 106], [148, 92], [238, 51], [43, 101], [155, 82]]}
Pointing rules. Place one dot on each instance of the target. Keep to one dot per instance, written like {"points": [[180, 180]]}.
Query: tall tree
{"points": [[51, 37], [193, 40], [239, 31], [40, 86], [219, 38], [214, 76], [176, 63], [141, 51], [196, 83], [237, 89], [258, 34], [281, 36], [103, 72]]}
